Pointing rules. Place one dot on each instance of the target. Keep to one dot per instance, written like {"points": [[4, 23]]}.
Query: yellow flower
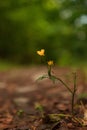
{"points": [[50, 62], [41, 52]]}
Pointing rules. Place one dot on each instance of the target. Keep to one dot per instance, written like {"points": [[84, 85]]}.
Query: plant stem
{"points": [[73, 94], [49, 74], [65, 85], [72, 105], [49, 71]]}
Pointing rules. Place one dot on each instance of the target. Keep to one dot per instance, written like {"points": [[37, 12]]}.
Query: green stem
{"points": [[41, 59], [65, 85], [49, 71], [73, 94], [49, 74]]}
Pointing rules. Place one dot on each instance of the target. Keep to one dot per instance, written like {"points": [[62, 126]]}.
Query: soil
{"points": [[28, 104]]}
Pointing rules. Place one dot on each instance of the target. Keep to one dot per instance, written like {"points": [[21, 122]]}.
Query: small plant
{"points": [[20, 112], [39, 108], [53, 78]]}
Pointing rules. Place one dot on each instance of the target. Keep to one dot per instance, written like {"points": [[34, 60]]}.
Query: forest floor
{"points": [[28, 104]]}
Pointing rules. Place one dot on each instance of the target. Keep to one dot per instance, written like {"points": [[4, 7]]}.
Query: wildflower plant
{"points": [[53, 78]]}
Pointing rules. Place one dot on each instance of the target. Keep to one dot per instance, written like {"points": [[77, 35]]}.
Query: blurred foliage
{"points": [[58, 26]]}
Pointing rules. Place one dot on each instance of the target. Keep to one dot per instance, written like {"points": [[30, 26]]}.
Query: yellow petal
{"points": [[41, 52], [50, 62]]}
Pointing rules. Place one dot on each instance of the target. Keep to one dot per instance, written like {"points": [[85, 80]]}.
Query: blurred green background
{"points": [[58, 26]]}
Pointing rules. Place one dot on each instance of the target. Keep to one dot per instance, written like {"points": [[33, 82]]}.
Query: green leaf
{"points": [[42, 77], [39, 107]]}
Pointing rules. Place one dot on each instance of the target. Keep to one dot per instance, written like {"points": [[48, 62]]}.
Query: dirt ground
{"points": [[28, 104]]}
